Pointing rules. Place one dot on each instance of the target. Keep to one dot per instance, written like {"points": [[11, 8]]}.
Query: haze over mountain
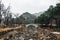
{"points": [[32, 6], [37, 14]]}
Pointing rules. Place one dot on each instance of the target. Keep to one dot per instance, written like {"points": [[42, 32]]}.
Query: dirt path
{"points": [[5, 29]]}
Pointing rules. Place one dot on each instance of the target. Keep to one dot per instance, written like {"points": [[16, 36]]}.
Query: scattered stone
{"points": [[32, 33]]}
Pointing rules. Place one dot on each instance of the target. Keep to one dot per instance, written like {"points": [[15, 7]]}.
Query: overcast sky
{"points": [[32, 6]]}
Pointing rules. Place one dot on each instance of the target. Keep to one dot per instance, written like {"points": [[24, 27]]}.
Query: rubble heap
{"points": [[32, 33]]}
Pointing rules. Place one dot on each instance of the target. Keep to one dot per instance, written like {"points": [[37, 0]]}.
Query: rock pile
{"points": [[32, 33]]}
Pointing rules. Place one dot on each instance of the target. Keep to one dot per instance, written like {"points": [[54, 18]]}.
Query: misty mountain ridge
{"points": [[37, 14], [29, 18]]}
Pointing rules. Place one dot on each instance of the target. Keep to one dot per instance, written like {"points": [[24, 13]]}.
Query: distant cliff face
{"points": [[28, 18]]}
